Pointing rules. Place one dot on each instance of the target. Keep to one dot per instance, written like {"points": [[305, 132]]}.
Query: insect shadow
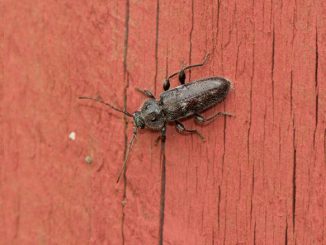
{"points": [[187, 100]]}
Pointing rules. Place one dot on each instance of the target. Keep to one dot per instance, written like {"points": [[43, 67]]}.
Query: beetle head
{"points": [[150, 115], [139, 120]]}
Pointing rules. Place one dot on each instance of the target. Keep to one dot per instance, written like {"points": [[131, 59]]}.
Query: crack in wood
{"points": [[125, 99], [294, 180], [273, 65], [255, 234], [156, 43], [162, 198], [286, 233], [325, 146], [316, 86], [190, 35]]}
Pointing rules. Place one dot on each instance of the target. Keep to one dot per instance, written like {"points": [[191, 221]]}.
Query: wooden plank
{"points": [[260, 176]]}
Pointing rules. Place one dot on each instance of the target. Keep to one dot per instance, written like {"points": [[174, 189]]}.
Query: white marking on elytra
{"points": [[184, 105]]}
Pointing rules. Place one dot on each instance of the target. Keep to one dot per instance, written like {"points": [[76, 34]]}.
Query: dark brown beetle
{"points": [[184, 101]]}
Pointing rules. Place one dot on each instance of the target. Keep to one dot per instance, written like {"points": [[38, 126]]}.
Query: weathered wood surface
{"points": [[260, 177]]}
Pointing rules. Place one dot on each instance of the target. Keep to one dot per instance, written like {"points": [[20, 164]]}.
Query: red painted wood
{"points": [[259, 178]]}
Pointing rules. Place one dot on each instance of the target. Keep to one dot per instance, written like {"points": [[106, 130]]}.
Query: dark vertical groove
{"points": [[218, 17], [224, 240], [250, 93], [191, 33], [252, 190], [291, 96], [279, 145], [293, 126], [255, 234], [250, 119], [325, 146], [215, 35], [156, 43], [265, 233], [162, 201], [224, 141], [294, 188], [286, 233], [273, 63], [213, 236], [163, 179], [125, 98], [272, 12], [225, 121], [17, 218], [316, 84], [294, 176], [264, 136], [217, 25], [219, 207], [237, 61], [225, 212]]}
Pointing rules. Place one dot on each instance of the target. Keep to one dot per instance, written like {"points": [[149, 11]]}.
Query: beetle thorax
{"points": [[150, 115]]}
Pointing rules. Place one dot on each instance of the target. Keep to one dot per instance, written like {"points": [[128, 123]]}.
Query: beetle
{"points": [[186, 100]]}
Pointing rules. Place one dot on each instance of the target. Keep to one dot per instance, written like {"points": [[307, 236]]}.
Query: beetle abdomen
{"points": [[195, 97]]}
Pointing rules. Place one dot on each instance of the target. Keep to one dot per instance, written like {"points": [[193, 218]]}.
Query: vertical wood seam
{"points": [[125, 100], [163, 188], [156, 43], [316, 86]]}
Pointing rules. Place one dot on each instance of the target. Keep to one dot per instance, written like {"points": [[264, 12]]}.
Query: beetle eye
{"points": [[153, 119]]}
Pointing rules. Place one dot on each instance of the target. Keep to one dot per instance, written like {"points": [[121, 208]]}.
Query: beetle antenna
{"points": [[124, 166], [190, 66], [107, 104]]}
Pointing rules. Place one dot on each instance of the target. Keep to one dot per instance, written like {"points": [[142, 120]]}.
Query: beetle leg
{"points": [[181, 73], [182, 76], [181, 129], [163, 134], [201, 119], [145, 92], [166, 84]]}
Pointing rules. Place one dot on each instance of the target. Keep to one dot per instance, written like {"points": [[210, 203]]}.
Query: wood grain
{"points": [[260, 178]]}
